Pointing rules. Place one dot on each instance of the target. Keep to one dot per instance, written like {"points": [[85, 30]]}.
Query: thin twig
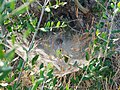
{"points": [[110, 31], [84, 10], [100, 4], [32, 42], [91, 58], [73, 29], [81, 78], [20, 74], [38, 3]]}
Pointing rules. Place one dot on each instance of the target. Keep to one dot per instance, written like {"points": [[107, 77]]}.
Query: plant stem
{"points": [[32, 42], [110, 31]]}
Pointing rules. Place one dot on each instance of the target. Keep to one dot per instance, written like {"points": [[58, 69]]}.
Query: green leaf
{"points": [[1, 19], [115, 31], [50, 73], [103, 68], [54, 81], [2, 53], [92, 67], [52, 23], [27, 33], [47, 9], [12, 4], [48, 80], [58, 53], [23, 1], [58, 24], [9, 80], [4, 72], [34, 59], [9, 28], [41, 66], [118, 4], [63, 3], [97, 32], [48, 24], [34, 22], [44, 29], [7, 21], [42, 73], [35, 85], [73, 80], [112, 5], [105, 16], [32, 78], [9, 87], [67, 87], [61, 87], [88, 76], [20, 64], [13, 38], [1, 64], [1, 1], [30, 27], [2, 6], [18, 10], [87, 56], [14, 86], [49, 66], [104, 35], [63, 24], [10, 55], [93, 61]]}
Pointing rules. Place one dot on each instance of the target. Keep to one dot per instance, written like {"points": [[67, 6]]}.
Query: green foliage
{"points": [[34, 59], [45, 78], [16, 19], [35, 85], [2, 52], [4, 70], [49, 26], [87, 56]]}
